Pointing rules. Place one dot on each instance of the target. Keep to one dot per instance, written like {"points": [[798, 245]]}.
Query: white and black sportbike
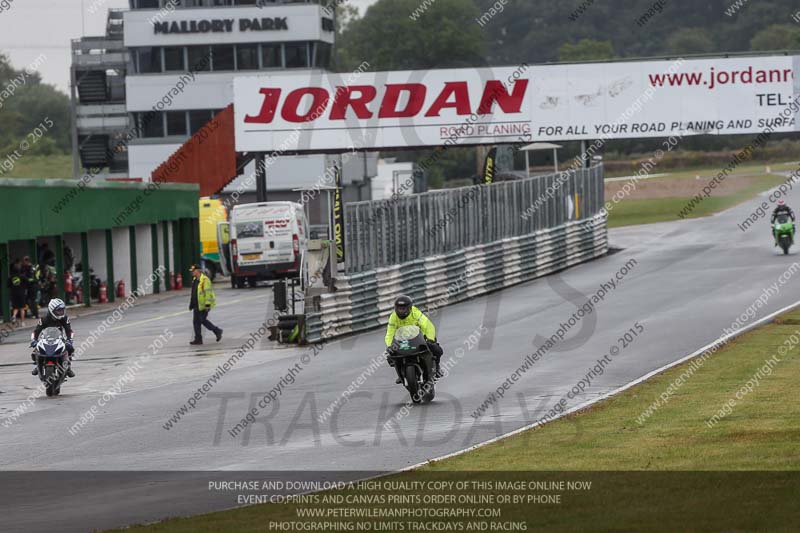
{"points": [[52, 359]]}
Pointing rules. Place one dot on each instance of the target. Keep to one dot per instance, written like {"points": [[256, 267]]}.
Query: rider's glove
{"points": [[33, 344]]}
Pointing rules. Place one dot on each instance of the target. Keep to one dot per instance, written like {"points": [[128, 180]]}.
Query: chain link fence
{"points": [[388, 232]]}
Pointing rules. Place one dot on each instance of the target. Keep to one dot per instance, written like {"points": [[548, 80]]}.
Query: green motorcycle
{"points": [[783, 229]]}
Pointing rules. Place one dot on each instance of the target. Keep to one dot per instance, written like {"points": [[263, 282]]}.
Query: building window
{"points": [[322, 55], [198, 119], [271, 56], [147, 4], [246, 56], [151, 124], [297, 55], [222, 57], [149, 60], [176, 123], [199, 58], [173, 59]]}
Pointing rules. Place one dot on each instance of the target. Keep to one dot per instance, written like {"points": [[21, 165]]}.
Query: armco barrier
{"points": [[364, 301]]}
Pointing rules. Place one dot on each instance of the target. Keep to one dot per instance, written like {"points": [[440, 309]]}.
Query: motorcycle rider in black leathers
{"points": [[781, 209], [56, 317]]}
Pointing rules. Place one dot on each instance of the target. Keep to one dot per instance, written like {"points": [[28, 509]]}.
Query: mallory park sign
{"points": [[221, 25]]}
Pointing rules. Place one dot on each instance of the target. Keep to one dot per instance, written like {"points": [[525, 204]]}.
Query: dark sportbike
{"points": [[50, 355], [410, 353]]}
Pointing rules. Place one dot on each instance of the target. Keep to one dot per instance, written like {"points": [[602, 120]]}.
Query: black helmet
{"points": [[402, 306]]}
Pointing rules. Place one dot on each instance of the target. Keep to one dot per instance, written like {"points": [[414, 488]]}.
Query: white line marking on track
{"points": [[623, 388], [162, 317]]}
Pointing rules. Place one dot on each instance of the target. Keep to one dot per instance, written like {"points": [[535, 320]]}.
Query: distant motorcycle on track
{"points": [[783, 229], [410, 352]]}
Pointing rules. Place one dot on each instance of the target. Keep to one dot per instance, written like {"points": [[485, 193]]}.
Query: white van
{"points": [[267, 241]]}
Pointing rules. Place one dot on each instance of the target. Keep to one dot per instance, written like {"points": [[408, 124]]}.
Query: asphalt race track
{"points": [[687, 282]]}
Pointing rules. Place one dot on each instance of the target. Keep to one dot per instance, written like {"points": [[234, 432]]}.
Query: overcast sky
{"points": [[29, 28]]}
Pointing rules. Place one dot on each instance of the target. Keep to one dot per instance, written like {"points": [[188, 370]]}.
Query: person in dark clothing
{"points": [[29, 272], [17, 286], [46, 255], [69, 259], [781, 209], [56, 317], [201, 302], [47, 283]]}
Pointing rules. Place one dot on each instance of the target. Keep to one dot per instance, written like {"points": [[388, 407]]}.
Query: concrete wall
{"points": [[73, 240], [144, 258], [160, 239], [122, 258], [97, 255]]}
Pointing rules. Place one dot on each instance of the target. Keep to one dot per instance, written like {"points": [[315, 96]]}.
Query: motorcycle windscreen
{"points": [[52, 341], [406, 333], [782, 219], [224, 245]]}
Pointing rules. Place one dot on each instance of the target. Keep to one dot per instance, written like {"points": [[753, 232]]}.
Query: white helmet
{"points": [[57, 308]]}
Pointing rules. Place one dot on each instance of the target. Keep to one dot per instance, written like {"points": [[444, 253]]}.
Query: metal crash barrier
{"points": [[364, 301]]}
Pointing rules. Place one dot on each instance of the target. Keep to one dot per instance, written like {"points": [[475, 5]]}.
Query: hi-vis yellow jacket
{"points": [[414, 318], [206, 299]]}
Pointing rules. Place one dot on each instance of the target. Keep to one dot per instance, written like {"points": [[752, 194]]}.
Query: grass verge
{"points": [[42, 166], [629, 212], [667, 471]]}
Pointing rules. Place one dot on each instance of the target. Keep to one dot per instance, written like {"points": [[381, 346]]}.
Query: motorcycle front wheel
{"points": [[412, 382], [50, 379]]}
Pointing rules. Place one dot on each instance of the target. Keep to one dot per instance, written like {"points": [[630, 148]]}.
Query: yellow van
{"points": [[212, 211]]}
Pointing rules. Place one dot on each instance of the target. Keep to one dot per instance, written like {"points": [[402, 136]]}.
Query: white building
{"points": [[178, 58]]}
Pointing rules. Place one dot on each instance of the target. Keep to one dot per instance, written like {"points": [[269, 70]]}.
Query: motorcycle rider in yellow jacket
{"points": [[406, 314]]}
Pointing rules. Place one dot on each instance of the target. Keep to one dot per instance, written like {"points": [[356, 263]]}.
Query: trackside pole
{"points": [[261, 177], [586, 160]]}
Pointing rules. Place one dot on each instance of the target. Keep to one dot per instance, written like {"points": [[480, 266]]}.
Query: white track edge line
{"points": [[721, 341]]}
